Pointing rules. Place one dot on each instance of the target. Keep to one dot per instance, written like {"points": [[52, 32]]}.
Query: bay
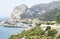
{"points": [[6, 32]]}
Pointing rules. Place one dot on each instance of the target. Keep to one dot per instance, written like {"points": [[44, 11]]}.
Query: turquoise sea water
{"points": [[6, 32]]}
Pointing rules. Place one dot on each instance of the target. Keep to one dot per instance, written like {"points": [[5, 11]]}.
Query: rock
{"points": [[15, 16]]}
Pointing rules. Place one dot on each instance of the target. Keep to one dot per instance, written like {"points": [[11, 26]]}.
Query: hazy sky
{"points": [[7, 6]]}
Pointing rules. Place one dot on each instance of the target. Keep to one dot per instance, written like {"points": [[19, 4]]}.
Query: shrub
{"points": [[52, 32], [48, 28], [48, 23]]}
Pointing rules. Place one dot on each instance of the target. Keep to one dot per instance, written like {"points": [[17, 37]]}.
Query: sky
{"points": [[7, 6]]}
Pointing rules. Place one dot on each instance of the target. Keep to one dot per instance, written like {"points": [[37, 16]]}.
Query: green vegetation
{"points": [[37, 33], [58, 36], [50, 23], [48, 28], [38, 24], [58, 21], [51, 15], [52, 32]]}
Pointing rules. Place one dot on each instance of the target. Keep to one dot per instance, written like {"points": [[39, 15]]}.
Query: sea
{"points": [[6, 32]]}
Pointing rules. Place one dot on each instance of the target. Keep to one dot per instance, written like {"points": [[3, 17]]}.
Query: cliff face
{"points": [[15, 16]]}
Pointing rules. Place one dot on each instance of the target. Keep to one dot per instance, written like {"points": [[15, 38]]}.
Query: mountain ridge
{"points": [[23, 12]]}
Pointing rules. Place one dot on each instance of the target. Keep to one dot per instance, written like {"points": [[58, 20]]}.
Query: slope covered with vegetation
{"points": [[37, 33], [51, 15]]}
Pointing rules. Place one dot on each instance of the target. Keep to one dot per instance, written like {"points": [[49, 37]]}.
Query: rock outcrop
{"points": [[15, 16]]}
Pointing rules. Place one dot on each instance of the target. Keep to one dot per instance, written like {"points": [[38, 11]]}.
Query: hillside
{"points": [[38, 32], [52, 14], [48, 12]]}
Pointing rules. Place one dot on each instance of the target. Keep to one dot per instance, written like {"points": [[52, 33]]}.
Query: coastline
{"points": [[14, 26]]}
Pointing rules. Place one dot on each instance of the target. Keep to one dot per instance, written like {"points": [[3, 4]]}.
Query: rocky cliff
{"points": [[15, 16]]}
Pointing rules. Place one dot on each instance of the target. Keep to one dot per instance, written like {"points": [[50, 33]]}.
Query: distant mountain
{"points": [[52, 14], [44, 11], [47, 11], [45, 7]]}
